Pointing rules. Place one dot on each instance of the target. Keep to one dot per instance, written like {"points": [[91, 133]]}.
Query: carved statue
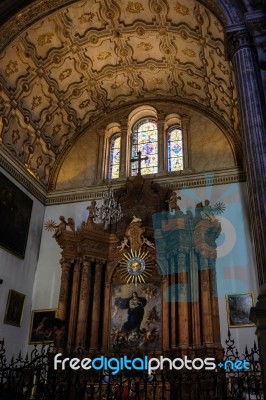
{"points": [[123, 245], [205, 211], [60, 227], [148, 242], [92, 212], [173, 206], [134, 233]]}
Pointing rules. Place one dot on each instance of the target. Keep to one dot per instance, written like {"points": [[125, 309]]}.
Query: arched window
{"points": [[145, 140], [114, 164], [175, 149]]}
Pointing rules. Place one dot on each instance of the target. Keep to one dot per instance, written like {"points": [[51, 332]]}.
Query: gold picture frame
{"points": [[238, 309], [42, 326], [14, 308]]}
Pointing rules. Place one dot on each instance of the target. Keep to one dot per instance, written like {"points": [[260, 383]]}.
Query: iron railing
{"points": [[34, 378]]}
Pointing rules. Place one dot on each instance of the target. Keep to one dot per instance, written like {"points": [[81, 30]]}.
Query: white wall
{"points": [[235, 262], [19, 274]]}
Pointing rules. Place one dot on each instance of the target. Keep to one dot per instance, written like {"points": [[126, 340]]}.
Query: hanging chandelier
{"points": [[110, 211]]}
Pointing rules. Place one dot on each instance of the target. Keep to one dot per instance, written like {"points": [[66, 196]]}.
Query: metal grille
{"points": [[34, 378]]}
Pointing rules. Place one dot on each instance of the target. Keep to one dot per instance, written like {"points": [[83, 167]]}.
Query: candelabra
{"points": [[110, 211]]}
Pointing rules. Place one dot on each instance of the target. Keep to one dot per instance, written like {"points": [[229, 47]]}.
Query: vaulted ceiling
{"points": [[62, 72]]}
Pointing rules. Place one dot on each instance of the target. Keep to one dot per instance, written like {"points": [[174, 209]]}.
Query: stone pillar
{"points": [[253, 130], [258, 316], [84, 299], [253, 133], [256, 22], [96, 302], [74, 306], [64, 289], [162, 162], [123, 148], [184, 127], [102, 169]]}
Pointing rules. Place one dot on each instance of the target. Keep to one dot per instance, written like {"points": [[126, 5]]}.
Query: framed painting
{"points": [[14, 308], [136, 317], [238, 309], [15, 214], [42, 326]]}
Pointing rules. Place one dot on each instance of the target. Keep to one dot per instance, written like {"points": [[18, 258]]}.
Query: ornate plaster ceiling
{"points": [[64, 71]]}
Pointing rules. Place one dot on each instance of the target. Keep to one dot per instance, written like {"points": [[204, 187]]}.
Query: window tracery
{"points": [[161, 139], [145, 139], [175, 149], [114, 163]]}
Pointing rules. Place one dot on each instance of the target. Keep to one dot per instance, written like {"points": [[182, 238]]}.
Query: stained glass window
{"points": [[175, 149], [145, 140], [114, 165]]}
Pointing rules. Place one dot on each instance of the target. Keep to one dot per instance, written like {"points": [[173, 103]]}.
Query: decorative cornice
{"points": [[23, 178], [173, 181]]}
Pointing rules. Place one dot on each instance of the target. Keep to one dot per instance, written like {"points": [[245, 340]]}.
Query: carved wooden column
{"points": [[214, 304], [84, 299], [183, 318], [95, 319], [106, 315], [123, 148], [173, 303], [74, 305], [206, 308], [194, 298], [162, 166], [64, 289], [166, 320]]}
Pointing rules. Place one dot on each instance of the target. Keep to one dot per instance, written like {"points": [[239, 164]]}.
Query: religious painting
{"points": [[238, 309], [15, 213], [42, 326], [136, 316], [14, 308]]}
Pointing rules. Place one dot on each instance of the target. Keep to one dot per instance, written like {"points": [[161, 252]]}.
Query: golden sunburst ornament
{"points": [[50, 225], [135, 266]]}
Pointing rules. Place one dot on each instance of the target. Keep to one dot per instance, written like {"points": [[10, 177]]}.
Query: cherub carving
{"points": [[172, 202], [147, 242], [123, 245], [135, 219]]}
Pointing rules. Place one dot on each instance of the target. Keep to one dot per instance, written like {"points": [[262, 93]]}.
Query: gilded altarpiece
{"points": [[148, 283]]}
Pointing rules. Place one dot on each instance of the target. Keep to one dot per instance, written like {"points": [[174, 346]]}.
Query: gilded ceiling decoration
{"points": [[90, 57]]}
